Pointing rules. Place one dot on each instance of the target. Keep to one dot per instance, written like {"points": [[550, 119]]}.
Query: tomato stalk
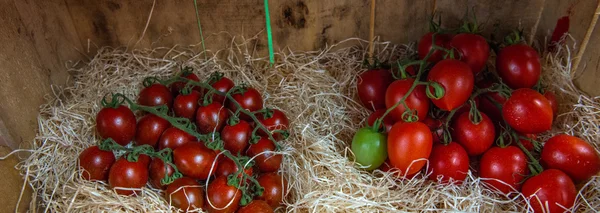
{"points": [[474, 114], [534, 164]]}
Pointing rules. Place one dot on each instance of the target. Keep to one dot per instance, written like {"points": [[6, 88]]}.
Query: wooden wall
{"points": [[38, 37]]}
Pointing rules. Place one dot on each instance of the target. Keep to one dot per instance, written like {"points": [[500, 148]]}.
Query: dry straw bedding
{"points": [[317, 92]]}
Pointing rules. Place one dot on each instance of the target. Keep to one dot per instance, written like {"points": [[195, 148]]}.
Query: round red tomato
{"points": [[473, 49], [572, 155], [371, 86], [155, 95], [249, 100], [116, 123], [266, 160], [504, 169], [236, 138], [425, 45], [221, 197], [409, 146], [388, 122], [277, 121], [95, 163], [185, 106], [195, 160], [158, 171], [553, 103], [448, 163], [173, 138], [417, 100], [275, 188], [211, 118], [519, 66], [125, 174], [185, 193], [256, 206], [222, 85], [149, 129], [457, 80], [528, 112], [550, 191], [178, 86], [227, 167], [475, 138]]}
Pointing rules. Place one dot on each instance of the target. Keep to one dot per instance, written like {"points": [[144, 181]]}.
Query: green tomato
{"points": [[369, 148]]}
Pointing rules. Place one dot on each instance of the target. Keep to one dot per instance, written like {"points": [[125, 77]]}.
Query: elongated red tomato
{"points": [[227, 167], [250, 100], [473, 49], [266, 160], [388, 122], [448, 163], [236, 138], [185, 106], [371, 87], [211, 118], [275, 188], [116, 123], [222, 85], [155, 95], [125, 174], [158, 171], [572, 155], [173, 138], [550, 191], [195, 160], [256, 206], [417, 100], [504, 169], [276, 121], [475, 138], [457, 80], [221, 197], [149, 129], [528, 112], [519, 66], [409, 146], [185, 193], [425, 44], [95, 163]]}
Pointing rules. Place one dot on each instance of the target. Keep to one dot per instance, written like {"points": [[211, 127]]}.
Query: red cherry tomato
{"points": [[155, 95], [408, 145], [437, 131], [266, 160], [425, 45], [195, 160], [116, 123], [473, 49], [227, 167], [417, 100], [528, 112], [572, 155], [519, 66], [249, 100], [173, 138], [95, 163], [178, 86], [371, 87], [125, 174], [475, 138], [221, 197], [448, 163], [236, 138], [457, 80], [550, 191], [222, 85], [158, 171], [256, 206], [277, 121], [185, 193], [553, 103], [185, 106], [504, 169], [387, 121], [211, 118], [149, 129], [275, 189]]}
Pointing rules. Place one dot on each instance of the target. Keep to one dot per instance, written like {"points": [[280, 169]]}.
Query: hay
{"points": [[317, 92]]}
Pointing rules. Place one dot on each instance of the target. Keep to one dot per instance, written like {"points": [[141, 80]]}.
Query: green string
{"points": [[200, 28], [269, 34]]}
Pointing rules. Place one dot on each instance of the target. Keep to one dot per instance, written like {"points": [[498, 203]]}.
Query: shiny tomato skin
{"points": [[116, 123], [173, 138], [256, 206], [475, 138], [237, 137], [155, 95], [278, 121], [185, 106], [195, 160], [211, 118], [149, 129], [275, 189], [572, 155], [519, 66], [552, 188], [457, 80], [185, 193], [417, 100], [425, 44], [553, 103], [408, 142], [267, 161], [227, 167], [221, 198], [388, 122], [371, 87], [95, 163], [448, 163], [178, 86], [125, 174], [250, 100], [222, 85], [528, 112], [369, 148], [473, 49], [508, 164], [158, 171]]}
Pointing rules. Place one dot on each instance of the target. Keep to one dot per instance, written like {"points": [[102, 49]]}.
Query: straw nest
{"points": [[317, 92]]}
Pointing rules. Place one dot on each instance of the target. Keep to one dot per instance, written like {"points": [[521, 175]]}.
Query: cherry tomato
{"points": [[448, 163], [195, 160], [211, 118], [221, 197], [408, 144], [277, 121], [256, 206], [222, 85], [275, 188], [158, 171], [369, 148], [457, 80], [475, 138], [125, 174], [155, 95], [144, 159], [519, 66], [473, 49], [173, 138], [572, 155], [249, 100], [550, 191], [95, 163], [185, 193], [503, 169], [266, 160], [149, 129], [185, 106], [425, 45], [371, 86], [528, 112], [227, 167], [236, 138], [553, 103], [417, 100], [178, 86], [388, 122], [116, 123]]}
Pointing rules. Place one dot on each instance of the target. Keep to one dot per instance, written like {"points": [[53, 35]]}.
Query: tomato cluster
{"points": [[209, 145], [447, 109]]}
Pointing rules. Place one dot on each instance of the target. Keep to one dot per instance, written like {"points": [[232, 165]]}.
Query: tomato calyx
{"points": [[515, 37], [474, 114], [239, 180], [469, 23]]}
